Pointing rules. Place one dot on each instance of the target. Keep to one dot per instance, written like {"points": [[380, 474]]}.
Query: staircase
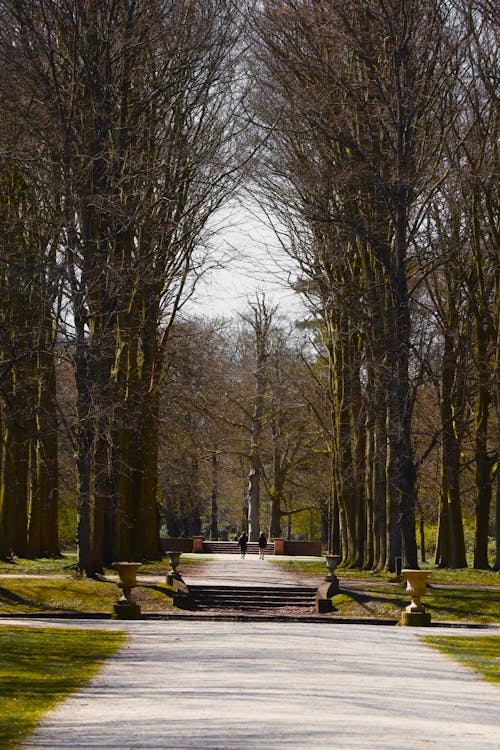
{"points": [[232, 548], [252, 598]]}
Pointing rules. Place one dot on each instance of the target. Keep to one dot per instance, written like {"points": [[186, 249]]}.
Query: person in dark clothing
{"points": [[242, 542], [262, 545]]}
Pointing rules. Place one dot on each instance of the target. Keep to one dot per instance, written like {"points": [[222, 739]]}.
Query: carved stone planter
{"points": [[173, 575], [126, 608], [331, 562], [415, 613]]}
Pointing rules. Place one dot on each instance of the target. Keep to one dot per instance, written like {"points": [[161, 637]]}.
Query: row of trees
{"points": [[241, 447], [373, 133], [380, 163], [209, 418], [117, 147]]}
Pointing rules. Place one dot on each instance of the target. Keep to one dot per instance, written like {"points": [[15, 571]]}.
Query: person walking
{"points": [[262, 545], [242, 542]]}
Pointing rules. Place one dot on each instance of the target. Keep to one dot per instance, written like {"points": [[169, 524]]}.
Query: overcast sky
{"points": [[254, 263]]}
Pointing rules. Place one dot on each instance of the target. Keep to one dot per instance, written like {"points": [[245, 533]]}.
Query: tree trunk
{"points": [[47, 456], [483, 477], [84, 439], [214, 494], [421, 525], [261, 323], [253, 500], [452, 546]]}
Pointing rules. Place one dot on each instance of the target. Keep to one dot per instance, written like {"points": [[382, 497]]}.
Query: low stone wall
{"points": [[170, 544], [310, 549], [281, 546]]}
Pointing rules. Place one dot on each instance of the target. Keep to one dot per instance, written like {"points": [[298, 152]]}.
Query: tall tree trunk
{"points": [[483, 476], [253, 499], [47, 455], [451, 547], [261, 323], [214, 495], [497, 401], [84, 442]]}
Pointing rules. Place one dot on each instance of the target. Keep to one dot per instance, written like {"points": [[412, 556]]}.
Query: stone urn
{"points": [[329, 587], [331, 563], [126, 608], [173, 574], [416, 584]]}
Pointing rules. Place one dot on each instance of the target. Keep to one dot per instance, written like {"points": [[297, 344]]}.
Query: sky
{"points": [[252, 263]]}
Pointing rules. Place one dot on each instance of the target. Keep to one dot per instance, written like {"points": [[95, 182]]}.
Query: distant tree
{"points": [[260, 321]]}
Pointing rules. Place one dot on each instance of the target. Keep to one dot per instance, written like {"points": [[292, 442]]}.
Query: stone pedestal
{"points": [[329, 587], [126, 610], [279, 546], [197, 544], [323, 599], [416, 619]]}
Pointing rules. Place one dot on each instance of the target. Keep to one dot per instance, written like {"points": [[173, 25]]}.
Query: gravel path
{"points": [[183, 685]]}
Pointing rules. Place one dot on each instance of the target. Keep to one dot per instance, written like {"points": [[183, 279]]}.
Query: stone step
{"points": [[232, 548], [251, 597]]}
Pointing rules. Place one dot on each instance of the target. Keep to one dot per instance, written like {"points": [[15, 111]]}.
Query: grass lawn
{"points": [[438, 575], [63, 565], [40, 666], [481, 653], [458, 595], [41, 566], [60, 590], [450, 604], [70, 594], [189, 562], [466, 595]]}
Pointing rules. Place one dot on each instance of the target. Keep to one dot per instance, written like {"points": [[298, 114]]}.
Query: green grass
{"points": [[70, 594], [40, 566], [365, 594], [317, 568], [481, 653], [62, 565], [41, 666], [188, 562], [463, 575], [388, 601], [465, 604], [60, 590], [438, 575]]}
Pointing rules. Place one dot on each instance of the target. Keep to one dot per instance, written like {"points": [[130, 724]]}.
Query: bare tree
{"points": [[260, 320], [137, 103], [353, 103]]}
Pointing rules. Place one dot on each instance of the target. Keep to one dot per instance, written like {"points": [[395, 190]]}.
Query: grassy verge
{"points": [[60, 590], [189, 563], [466, 596], [42, 566], [70, 594], [438, 575], [62, 565], [450, 604], [39, 667], [482, 653]]}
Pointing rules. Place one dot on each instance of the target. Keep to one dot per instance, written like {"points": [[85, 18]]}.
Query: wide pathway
{"points": [[192, 685], [233, 571]]}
